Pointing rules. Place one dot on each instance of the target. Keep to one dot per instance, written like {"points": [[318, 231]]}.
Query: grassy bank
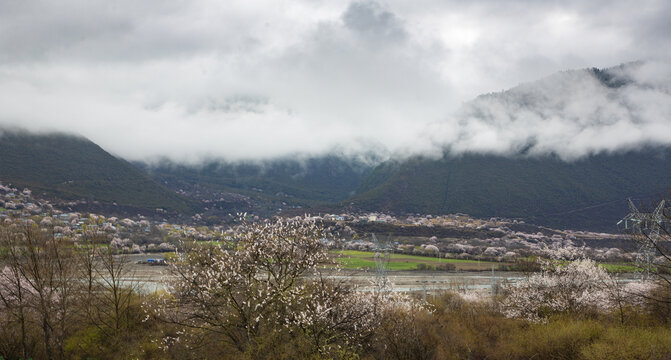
{"points": [[352, 259]]}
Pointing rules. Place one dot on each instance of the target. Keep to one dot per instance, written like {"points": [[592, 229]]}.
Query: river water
{"points": [[147, 279]]}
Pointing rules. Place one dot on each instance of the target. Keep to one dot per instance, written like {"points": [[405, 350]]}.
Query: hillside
{"points": [[527, 168], [588, 193], [70, 167], [304, 182], [539, 176]]}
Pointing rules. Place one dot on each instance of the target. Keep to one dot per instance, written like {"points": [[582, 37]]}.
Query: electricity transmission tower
{"points": [[382, 256], [645, 228]]}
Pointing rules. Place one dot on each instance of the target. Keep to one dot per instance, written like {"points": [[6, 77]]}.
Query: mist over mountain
{"points": [[305, 77], [571, 114], [565, 151], [305, 182]]}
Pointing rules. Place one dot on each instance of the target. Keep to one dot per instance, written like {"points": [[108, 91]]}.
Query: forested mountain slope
{"points": [[586, 193], [71, 167]]}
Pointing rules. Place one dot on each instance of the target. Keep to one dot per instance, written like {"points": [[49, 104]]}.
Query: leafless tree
{"points": [[108, 285], [117, 290], [42, 270], [14, 295]]}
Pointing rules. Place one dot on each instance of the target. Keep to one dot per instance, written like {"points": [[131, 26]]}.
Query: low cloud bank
{"points": [[571, 114], [199, 80]]}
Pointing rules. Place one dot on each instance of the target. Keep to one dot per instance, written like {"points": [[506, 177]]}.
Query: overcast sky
{"points": [[248, 79]]}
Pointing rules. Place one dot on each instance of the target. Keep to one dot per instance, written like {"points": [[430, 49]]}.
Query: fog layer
{"points": [[189, 80]]}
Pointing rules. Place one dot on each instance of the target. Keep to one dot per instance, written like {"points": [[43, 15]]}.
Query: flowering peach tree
{"points": [[268, 279], [580, 287], [577, 286]]}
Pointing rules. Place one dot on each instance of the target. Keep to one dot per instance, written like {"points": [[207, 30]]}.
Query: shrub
{"points": [[562, 338], [630, 343], [446, 267]]}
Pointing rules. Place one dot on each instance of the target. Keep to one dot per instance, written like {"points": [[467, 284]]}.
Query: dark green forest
{"points": [[71, 167], [588, 193]]}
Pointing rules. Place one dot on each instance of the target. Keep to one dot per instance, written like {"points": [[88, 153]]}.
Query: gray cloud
{"points": [[571, 114], [371, 20], [249, 80]]}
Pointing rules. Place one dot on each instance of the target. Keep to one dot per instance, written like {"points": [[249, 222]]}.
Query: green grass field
{"points": [[619, 268], [358, 263], [214, 242], [613, 268], [352, 259]]}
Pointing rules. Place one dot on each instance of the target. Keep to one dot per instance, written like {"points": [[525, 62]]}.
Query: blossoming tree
{"points": [[266, 280]]}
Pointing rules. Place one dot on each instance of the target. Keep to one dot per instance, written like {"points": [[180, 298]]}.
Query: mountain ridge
{"points": [[67, 166], [580, 188], [537, 189]]}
